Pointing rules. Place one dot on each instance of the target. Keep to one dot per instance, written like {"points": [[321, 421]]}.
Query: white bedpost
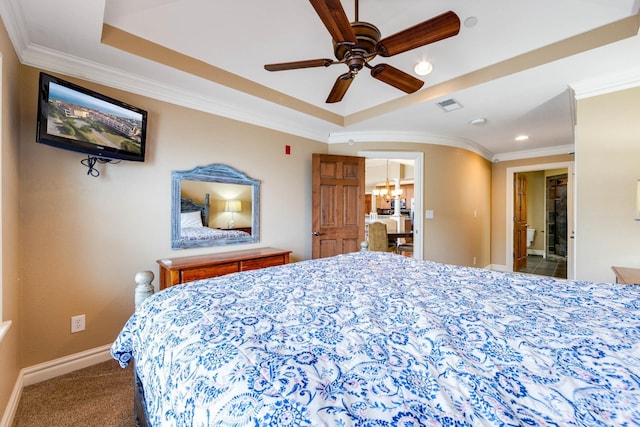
{"points": [[364, 246], [144, 288]]}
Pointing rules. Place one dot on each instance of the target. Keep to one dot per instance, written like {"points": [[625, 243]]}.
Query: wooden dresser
{"points": [[626, 275], [185, 269]]}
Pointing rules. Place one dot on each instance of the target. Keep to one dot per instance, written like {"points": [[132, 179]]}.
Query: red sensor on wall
{"points": [[287, 149]]}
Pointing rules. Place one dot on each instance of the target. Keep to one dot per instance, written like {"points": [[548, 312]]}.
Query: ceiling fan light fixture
{"points": [[423, 68]]}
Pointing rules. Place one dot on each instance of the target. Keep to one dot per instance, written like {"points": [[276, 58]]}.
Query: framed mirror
{"points": [[214, 205]]}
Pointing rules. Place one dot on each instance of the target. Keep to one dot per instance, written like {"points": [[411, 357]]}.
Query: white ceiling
{"points": [[241, 36]]}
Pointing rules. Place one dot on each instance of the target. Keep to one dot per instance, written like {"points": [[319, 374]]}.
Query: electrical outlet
{"points": [[77, 324]]}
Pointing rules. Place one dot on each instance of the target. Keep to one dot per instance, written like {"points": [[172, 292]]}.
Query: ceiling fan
{"points": [[356, 43]]}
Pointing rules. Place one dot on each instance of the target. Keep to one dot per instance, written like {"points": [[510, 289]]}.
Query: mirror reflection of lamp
{"points": [[232, 206]]}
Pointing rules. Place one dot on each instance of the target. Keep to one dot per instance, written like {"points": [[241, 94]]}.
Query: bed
{"points": [[199, 232], [194, 223], [193, 210], [378, 339]]}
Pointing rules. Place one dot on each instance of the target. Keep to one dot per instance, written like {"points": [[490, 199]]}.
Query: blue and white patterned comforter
{"points": [[376, 339], [206, 233]]}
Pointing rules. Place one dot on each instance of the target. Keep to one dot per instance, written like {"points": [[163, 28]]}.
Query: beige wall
{"points": [[9, 162], [84, 238], [457, 183], [499, 201], [607, 170]]}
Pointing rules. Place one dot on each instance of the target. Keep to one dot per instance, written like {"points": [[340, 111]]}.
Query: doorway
{"points": [[417, 159], [556, 216], [549, 220]]}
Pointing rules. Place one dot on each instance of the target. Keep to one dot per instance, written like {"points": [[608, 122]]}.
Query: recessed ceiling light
{"points": [[522, 137], [423, 68], [479, 121], [470, 22]]}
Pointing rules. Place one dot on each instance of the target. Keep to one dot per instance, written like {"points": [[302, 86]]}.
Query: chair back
{"points": [[378, 240]]}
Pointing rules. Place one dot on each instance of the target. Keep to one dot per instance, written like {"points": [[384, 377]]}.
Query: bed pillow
{"points": [[190, 219]]}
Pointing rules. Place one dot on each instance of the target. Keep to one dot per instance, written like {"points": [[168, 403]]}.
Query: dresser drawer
{"points": [[254, 264], [185, 269], [212, 271]]}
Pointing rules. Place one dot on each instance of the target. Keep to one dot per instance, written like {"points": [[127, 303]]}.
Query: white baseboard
{"points": [[498, 267], [51, 369], [539, 252], [12, 404], [4, 328], [54, 368]]}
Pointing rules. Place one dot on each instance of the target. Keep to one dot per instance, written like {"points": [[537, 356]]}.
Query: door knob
{"points": [[316, 233]]}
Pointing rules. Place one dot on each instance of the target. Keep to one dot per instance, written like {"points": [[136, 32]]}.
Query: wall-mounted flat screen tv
{"points": [[81, 120]]}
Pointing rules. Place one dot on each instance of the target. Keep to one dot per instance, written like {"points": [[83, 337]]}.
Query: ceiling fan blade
{"points": [[340, 88], [396, 78], [333, 17], [299, 64], [430, 31]]}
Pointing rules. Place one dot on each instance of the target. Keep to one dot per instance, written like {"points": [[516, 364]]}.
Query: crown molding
{"points": [[55, 61], [69, 65], [269, 116], [261, 113], [540, 152], [14, 23], [602, 85], [411, 137], [424, 138]]}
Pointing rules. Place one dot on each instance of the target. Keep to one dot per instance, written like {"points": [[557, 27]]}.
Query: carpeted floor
{"points": [[100, 395]]}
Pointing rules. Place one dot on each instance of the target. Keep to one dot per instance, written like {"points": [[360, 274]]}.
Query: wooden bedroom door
{"points": [[338, 212], [519, 222]]}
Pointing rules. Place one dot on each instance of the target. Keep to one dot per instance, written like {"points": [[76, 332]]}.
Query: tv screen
{"points": [[81, 120]]}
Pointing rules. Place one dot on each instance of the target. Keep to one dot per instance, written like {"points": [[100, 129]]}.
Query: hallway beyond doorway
{"points": [[510, 173]]}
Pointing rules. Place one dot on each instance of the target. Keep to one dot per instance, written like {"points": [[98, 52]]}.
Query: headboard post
{"points": [[144, 288], [205, 210]]}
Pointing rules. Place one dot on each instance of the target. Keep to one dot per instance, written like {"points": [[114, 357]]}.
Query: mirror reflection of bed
{"points": [[214, 210], [214, 205]]}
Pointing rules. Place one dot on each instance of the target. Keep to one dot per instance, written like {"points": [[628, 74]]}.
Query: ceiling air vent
{"points": [[449, 105]]}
